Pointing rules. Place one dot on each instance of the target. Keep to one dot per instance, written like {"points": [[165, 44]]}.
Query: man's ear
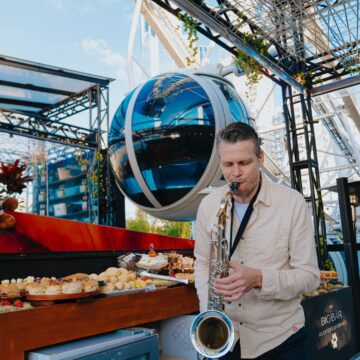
{"points": [[261, 157]]}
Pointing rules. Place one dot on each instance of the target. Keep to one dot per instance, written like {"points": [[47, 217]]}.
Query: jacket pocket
{"points": [[270, 249]]}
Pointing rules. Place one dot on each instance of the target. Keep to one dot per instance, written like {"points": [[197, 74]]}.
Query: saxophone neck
{"points": [[224, 205]]}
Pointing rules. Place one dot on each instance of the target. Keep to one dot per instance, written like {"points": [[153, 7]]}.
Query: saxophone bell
{"points": [[212, 334]]}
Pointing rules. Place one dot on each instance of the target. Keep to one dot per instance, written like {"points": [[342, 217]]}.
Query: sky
{"points": [[90, 36], [83, 35]]}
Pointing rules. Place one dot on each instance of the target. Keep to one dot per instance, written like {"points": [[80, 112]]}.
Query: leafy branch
{"points": [[253, 69], [190, 25]]}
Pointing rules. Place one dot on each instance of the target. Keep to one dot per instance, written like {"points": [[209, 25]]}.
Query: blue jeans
{"points": [[293, 348]]}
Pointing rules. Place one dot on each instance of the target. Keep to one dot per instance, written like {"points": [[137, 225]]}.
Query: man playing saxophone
{"points": [[271, 250]]}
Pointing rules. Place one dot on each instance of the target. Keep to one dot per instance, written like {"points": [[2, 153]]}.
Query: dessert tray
{"points": [[51, 299]]}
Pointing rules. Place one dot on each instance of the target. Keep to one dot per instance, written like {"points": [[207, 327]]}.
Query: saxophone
{"points": [[212, 333]]}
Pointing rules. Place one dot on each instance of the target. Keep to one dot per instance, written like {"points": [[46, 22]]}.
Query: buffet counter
{"points": [[22, 331]]}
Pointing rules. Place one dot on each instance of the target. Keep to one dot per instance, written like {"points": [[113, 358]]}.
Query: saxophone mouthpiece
{"points": [[233, 186]]}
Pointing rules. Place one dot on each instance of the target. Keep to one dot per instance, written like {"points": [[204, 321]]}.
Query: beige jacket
{"points": [[279, 241]]}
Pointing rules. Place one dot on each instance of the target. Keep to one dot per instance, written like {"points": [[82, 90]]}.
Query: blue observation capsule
{"points": [[162, 141]]}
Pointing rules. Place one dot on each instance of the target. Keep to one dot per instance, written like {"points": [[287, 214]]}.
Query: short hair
{"points": [[239, 131]]}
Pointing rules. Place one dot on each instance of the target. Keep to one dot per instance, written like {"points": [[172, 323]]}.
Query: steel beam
{"points": [[337, 85], [52, 70]]}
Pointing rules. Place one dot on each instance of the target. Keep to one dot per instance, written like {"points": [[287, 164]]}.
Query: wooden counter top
{"points": [[29, 329]]}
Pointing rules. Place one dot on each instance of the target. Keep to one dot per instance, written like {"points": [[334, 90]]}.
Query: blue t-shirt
{"points": [[240, 210]]}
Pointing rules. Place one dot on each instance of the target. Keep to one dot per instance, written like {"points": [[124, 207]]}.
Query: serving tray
{"points": [[43, 299]]}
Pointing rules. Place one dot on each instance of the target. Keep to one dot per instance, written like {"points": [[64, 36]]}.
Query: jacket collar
{"points": [[264, 195]]}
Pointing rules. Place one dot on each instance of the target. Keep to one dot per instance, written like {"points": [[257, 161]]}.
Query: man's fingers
{"points": [[224, 281], [234, 265], [228, 286]]}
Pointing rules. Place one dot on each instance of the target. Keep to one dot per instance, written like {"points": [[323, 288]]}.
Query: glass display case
{"points": [[63, 186]]}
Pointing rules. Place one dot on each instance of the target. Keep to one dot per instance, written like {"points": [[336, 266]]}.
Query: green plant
{"points": [[95, 178], [81, 160], [253, 69], [329, 265], [190, 25]]}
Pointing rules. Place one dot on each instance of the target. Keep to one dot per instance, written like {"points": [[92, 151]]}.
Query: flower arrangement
{"points": [[12, 179]]}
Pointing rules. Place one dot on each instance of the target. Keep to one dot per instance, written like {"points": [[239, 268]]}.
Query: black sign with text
{"points": [[330, 330]]}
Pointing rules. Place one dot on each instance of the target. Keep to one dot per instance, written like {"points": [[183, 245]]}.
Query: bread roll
{"points": [[107, 287], [73, 287], [111, 271], [35, 289], [123, 277], [76, 277], [122, 271], [119, 285], [90, 285], [103, 276], [53, 290]]}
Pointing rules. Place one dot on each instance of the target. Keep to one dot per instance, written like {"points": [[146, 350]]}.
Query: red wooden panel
{"points": [[34, 233]]}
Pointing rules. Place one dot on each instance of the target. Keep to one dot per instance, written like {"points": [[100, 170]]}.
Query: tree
{"points": [[146, 223]]}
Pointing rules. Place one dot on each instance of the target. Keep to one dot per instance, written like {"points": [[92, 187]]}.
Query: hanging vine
{"points": [[253, 69], [94, 184], [190, 25]]}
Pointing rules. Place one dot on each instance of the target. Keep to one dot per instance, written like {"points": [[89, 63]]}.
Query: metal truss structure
{"points": [[38, 101], [25, 115], [307, 166], [309, 42], [49, 124], [312, 49]]}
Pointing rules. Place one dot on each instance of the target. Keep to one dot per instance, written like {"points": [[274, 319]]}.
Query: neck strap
{"points": [[244, 222]]}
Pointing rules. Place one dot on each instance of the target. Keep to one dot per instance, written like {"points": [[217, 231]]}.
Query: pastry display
{"points": [[149, 262], [328, 275], [328, 282], [8, 290], [35, 289], [111, 280], [53, 290], [180, 262], [128, 261], [188, 276], [76, 277], [107, 287], [72, 287], [90, 285]]}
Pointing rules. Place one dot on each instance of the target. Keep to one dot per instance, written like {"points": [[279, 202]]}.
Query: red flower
{"points": [[11, 176]]}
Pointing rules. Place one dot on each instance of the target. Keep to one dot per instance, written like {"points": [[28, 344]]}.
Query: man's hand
{"points": [[239, 283]]}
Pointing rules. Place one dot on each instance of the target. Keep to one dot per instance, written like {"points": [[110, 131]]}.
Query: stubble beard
{"points": [[246, 196]]}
